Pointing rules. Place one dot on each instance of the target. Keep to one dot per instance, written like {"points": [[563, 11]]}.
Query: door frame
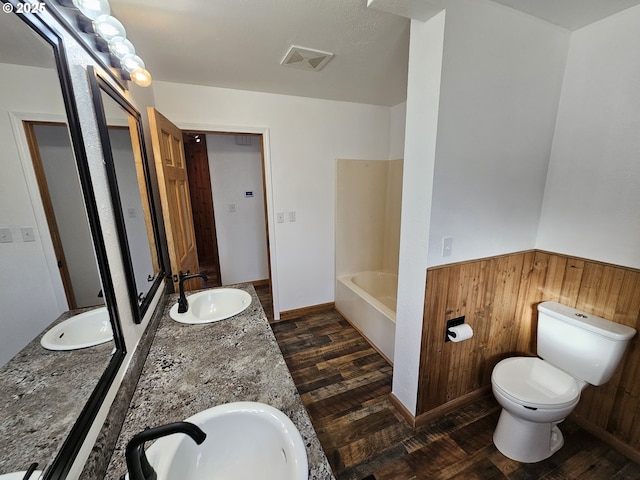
{"points": [[268, 184], [24, 153]]}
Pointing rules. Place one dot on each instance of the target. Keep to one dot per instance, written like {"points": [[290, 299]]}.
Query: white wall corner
{"points": [[422, 10], [423, 98]]}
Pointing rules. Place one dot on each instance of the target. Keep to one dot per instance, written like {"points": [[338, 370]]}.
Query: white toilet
{"points": [[576, 350]]}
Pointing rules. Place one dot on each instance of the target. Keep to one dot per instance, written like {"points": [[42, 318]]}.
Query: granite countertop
{"points": [[191, 368], [42, 393]]}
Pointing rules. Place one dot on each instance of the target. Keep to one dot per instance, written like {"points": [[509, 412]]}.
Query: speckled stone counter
{"points": [[42, 393], [191, 368]]}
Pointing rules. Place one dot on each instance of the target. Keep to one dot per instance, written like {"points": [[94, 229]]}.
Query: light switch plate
{"points": [[5, 235], [27, 234]]}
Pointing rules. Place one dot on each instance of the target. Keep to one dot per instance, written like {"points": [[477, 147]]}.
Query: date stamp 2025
{"points": [[36, 7]]}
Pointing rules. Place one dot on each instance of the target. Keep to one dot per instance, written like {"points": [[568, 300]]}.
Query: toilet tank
{"points": [[583, 345]]}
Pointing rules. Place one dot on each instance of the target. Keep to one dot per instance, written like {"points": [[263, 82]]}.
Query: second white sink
{"points": [[245, 441], [212, 305]]}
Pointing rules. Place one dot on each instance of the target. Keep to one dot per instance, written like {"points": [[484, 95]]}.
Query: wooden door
{"points": [[169, 157], [49, 211], [204, 222]]}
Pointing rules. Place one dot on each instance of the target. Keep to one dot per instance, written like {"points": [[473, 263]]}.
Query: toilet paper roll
{"points": [[460, 332]]}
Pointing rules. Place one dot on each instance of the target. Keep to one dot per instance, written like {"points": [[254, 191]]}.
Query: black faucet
{"points": [[30, 470], [183, 304], [137, 464]]}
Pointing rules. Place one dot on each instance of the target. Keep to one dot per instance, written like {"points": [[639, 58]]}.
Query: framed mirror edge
{"points": [[67, 453], [97, 85], [54, 9]]}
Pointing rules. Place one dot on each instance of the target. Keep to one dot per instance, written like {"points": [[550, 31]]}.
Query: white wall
{"points": [[592, 197], [398, 124], [63, 183], [306, 136], [241, 230], [423, 97], [36, 91], [501, 81]]}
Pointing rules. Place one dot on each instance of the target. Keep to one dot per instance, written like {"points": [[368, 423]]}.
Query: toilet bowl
{"points": [[535, 397], [536, 393]]}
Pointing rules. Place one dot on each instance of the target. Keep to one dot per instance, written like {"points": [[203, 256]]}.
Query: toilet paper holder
{"points": [[452, 323]]}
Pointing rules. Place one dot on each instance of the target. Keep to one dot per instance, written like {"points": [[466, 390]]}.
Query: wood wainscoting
{"points": [[498, 297]]}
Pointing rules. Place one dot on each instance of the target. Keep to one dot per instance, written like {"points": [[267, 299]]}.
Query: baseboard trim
{"points": [[448, 407], [608, 438], [406, 414], [299, 312]]}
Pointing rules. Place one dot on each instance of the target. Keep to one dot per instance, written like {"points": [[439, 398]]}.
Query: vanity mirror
{"points": [[52, 257], [129, 181]]}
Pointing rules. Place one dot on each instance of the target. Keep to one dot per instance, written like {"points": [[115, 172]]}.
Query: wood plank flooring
{"points": [[344, 384]]}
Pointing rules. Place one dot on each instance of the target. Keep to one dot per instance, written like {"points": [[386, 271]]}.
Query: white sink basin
{"points": [[245, 441], [84, 330], [212, 305], [20, 475]]}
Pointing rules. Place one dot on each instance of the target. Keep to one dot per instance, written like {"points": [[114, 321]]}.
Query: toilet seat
{"points": [[535, 384]]}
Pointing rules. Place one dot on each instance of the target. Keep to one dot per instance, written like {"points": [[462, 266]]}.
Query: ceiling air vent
{"points": [[306, 58]]}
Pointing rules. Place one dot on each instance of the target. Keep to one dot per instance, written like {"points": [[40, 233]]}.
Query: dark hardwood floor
{"points": [[344, 384]]}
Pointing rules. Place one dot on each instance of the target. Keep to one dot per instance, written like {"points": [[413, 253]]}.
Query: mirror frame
{"points": [[67, 453], [99, 85], [68, 18]]}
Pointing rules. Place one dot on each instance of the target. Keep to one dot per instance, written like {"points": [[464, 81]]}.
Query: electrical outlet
{"points": [[447, 246], [292, 216]]}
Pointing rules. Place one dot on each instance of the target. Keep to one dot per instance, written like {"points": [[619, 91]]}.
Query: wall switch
{"points": [[5, 235], [292, 216], [232, 208], [447, 246], [27, 234], [280, 217], [131, 212]]}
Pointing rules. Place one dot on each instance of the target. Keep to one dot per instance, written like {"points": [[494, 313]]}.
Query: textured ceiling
{"points": [[570, 14], [240, 44]]}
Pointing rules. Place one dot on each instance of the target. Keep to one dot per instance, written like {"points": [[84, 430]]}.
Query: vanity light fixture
{"points": [[108, 27], [92, 9], [95, 19], [120, 47], [141, 77], [131, 62]]}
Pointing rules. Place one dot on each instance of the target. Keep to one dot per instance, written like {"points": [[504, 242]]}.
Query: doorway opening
{"points": [[63, 204], [227, 190]]}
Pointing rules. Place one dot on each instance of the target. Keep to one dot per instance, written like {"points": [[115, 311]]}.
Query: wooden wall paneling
{"points": [[572, 280], [432, 351], [527, 299], [598, 294], [498, 297]]}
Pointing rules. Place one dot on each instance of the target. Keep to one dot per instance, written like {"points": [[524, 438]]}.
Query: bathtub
{"points": [[368, 301]]}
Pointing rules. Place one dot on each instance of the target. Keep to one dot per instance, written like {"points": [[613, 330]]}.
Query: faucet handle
{"points": [[137, 463], [30, 470]]}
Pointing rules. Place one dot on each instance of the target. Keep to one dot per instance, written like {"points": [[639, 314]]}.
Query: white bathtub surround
{"points": [[368, 204], [368, 301]]}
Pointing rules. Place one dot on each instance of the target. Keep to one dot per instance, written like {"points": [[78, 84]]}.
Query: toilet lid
{"points": [[532, 382]]}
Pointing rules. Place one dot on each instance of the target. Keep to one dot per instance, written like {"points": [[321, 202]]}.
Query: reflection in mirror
{"points": [[50, 270], [129, 177]]}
